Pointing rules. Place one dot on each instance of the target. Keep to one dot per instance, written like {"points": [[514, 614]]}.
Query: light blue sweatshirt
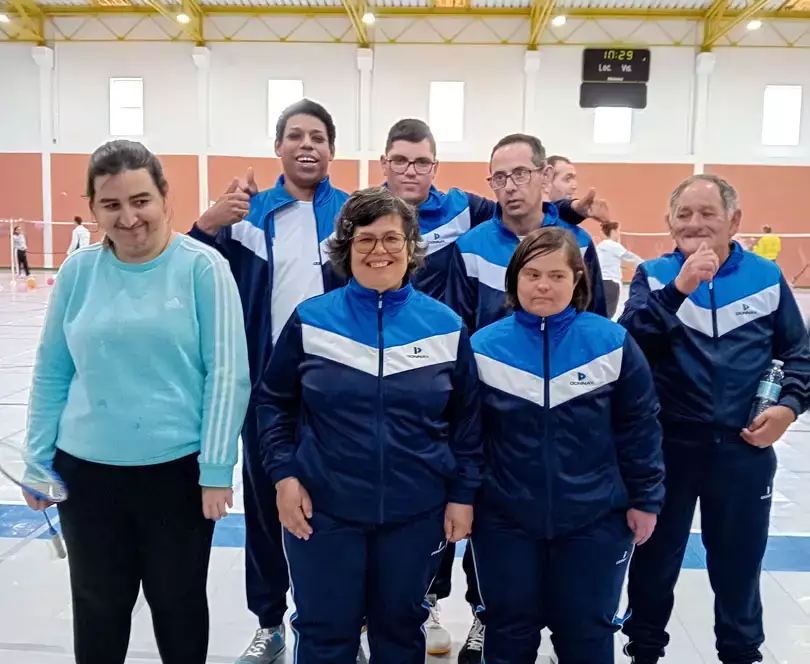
{"points": [[141, 364]]}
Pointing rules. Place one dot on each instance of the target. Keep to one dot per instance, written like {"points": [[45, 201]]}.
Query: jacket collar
{"points": [[278, 196], [550, 219], [556, 325], [391, 299]]}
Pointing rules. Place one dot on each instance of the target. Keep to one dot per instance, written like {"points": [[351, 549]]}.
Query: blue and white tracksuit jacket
{"points": [[248, 246], [477, 280], [709, 350], [443, 218], [571, 431], [371, 401]]}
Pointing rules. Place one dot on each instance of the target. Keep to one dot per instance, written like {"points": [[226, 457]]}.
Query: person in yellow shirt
{"points": [[769, 245]]}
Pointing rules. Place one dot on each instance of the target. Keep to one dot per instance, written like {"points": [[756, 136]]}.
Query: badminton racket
{"points": [[39, 480]]}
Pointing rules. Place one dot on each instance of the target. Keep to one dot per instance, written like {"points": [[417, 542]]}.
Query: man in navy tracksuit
{"points": [[409, 166], [710, 318], [273, 242]]}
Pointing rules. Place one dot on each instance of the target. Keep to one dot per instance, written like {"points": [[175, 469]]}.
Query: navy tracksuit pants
{"points": [[571, 584], [266, 574], [442, 584], [347, 571], [733, 481]]}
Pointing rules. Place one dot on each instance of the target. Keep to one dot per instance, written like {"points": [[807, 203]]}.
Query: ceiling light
{"points": [[183, 18], [557, 21], [368, 18], [4, 19], [754, 25]]}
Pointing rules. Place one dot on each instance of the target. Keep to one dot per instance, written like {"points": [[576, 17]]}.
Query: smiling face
{"points": [[699, 217], [546, 284], [304, 150], [132, 212], [383, 267]]}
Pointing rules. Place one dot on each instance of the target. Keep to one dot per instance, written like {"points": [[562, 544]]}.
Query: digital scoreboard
{"points": [[614, 77]]}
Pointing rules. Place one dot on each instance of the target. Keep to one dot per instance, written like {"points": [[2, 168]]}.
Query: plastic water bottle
{"points": [[768, 391]]}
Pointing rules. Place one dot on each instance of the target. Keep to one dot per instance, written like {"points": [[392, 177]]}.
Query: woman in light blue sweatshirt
{"points": [[140, 388]]}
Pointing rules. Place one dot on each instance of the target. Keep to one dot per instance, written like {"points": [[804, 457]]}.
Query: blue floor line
{"points": [[785, 553]]}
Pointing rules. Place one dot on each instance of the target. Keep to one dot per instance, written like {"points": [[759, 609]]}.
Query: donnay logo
{"points": [[582, 379], [746, 311], [436, 238], [417, 354]]}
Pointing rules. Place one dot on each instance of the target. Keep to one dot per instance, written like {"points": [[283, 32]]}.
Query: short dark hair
{"points": [[412, 131], [539, 243], [121, 155], [555, 159], [363, 208], [766, 229], [306, 107], [538, 151], [77, 220]]}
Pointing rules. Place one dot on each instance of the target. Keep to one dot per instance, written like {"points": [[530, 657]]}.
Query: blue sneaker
{"points": [[266, 647]]}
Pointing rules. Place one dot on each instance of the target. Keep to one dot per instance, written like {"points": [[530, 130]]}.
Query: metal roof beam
{"points": [[355, 10], [717, 23], [193, 28], [30, 23], [539, 16]]}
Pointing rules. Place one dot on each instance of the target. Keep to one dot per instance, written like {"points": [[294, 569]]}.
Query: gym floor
{"points": [[35, 612]]}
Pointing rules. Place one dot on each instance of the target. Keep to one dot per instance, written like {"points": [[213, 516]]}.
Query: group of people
{"points": [[80, 237], [409, 368]]}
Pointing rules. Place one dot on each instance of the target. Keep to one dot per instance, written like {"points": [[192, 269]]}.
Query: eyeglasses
{"points": [[400, 164], [392, 243], [520, 176]]}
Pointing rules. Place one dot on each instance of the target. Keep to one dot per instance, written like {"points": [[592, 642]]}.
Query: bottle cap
{"points": [[778, 363]]}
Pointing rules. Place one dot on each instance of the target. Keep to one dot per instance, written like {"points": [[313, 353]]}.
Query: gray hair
{"points": [[363, 208], [728, 194]]}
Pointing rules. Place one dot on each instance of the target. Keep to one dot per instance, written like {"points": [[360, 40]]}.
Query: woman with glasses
{"points": [[369, 421], [574, 463]]}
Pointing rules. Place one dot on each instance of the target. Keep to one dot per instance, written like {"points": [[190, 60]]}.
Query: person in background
{"points": [[611, 254], [711, 318], [273, 242], [574, 465], [769, 245], [80, 237], [476, 281], [370, 430], [563, 180], [410, 166], [153, 318], [21, 250]]}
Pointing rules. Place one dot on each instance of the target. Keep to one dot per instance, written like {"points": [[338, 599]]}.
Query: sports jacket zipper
{"points": [[380, 440], [715, 338], [547, 407]]}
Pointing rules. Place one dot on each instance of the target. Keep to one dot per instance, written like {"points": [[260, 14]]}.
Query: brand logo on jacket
{"points": [[436, 238], [747, 311], [417, 354], [582, 379]]}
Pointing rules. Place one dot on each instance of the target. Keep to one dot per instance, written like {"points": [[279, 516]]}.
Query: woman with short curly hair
{"points": [[370, 430]]}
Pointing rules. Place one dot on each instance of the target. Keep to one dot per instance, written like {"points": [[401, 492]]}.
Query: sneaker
{"points": [[266, 647], [635, 660], [473, 648], [437, 637]]}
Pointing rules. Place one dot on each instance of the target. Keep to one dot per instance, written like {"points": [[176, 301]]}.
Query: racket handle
{"points": [[58, 545]]}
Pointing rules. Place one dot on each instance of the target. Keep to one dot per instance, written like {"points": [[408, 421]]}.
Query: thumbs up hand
{"points": [[248, 184], [230, 208], [592, 206]]}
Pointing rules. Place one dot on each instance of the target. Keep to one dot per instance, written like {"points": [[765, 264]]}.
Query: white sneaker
{"points": [[437, 637]]}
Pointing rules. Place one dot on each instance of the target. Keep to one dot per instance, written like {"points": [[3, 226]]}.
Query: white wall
{"points": [[660, 131], [19, 99], [239, 75], [736, 99], [494, 78], [493, 91]]}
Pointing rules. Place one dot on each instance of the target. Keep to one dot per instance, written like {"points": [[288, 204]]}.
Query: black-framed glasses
{"points": [[421, 166], [392, 243], [520, 176]]}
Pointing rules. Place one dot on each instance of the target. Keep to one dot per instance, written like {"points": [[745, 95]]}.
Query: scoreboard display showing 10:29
{"points": [[614, 77]]}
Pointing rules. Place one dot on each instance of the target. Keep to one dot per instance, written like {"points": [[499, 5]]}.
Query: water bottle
{"points": [[768, 391]]}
